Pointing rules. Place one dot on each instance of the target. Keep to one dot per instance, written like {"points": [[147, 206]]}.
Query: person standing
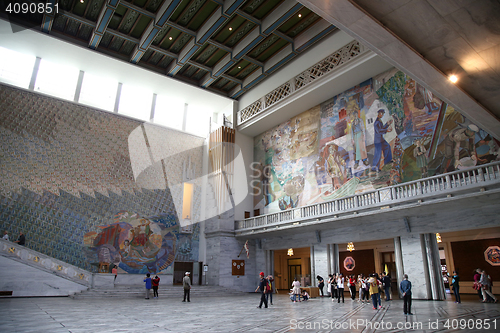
{"points": [[262, 288], [148, 284], [374, 293], [477, 286], [5, 235], [485, 283], [405, 287], [186, 283], [456, 288], [21, 239], [352, 286], [269, 289], [321, 284], [380, 144], [386, 283], [115, 272], [340, 287], [296, 289], [155, 283], [334, 286]]}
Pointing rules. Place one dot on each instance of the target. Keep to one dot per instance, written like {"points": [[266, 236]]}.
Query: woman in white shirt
{"points": [[296, 289], [340, 287]]}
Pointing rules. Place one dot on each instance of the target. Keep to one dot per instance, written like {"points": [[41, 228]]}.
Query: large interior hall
{"points": [[225, 138]]}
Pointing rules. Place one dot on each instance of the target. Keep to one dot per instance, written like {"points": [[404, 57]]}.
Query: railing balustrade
{"points": [[411, 190]]}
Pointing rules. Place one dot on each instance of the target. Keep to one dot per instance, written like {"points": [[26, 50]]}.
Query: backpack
{"points": [[269, 287]]}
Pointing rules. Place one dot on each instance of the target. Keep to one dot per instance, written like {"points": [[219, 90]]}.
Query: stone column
{"points": [[434, 263], [335, 258], [320, 262], [415, 265], [399, 262]]}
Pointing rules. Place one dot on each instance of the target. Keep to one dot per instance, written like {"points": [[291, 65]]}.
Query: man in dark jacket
{"points": [[21, 240], [386, 281], [262, 289], [405, 287]]}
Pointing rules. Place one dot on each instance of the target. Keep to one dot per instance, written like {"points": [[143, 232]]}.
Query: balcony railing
{"points": [[430, 188]]}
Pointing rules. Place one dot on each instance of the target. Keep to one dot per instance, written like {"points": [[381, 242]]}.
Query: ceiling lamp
{"points": [[453, 78], [350, 246], [300, 15], [438, 237], [290, 252], [230, 29]]}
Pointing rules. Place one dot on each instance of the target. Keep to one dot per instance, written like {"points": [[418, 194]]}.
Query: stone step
{"points": [[137, 291]]}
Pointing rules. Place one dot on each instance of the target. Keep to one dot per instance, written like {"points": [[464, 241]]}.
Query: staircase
{"points": [[169, 291]]}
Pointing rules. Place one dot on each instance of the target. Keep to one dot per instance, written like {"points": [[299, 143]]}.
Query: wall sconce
{"points": [[438, 237], [290, 252], [350, 246]]}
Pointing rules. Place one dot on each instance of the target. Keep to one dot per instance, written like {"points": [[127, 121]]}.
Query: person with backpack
{"points": [[269, 289]]}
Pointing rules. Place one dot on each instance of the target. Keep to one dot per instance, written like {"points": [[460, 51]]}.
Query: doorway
{"points": [[294, 269], [180, 269]]}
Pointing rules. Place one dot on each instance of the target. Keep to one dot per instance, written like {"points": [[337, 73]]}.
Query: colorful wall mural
{"points": [[68, 184], [384, 131]]}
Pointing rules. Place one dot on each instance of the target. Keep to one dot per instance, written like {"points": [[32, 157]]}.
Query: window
{"points": [[98, 91], [16, 68], [135, 102], [198, 119], [169, 112], [57, 80]]}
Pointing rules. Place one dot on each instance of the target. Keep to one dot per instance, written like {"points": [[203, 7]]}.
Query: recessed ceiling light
{"points": [[170, 38], [300, 15], [453, 78], [239, 66], [230, 29]]}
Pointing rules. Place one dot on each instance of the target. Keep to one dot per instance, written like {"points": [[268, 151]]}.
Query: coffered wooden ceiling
{"points": [[224, 46]]}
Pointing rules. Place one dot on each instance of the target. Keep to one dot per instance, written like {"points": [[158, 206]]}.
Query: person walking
{"points": [[115, 272], [155, 284], [186, 283], [262, 288], [321, 284], [334, 287], [405, 287], [352, 286], [148, 284], [456, 288], [477, 286]]}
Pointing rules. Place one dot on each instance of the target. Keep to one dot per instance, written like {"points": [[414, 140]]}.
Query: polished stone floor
{"points": [[239, 314]]}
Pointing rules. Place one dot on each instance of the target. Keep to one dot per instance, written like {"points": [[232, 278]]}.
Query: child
{"points": [[305, 296], [148, 285], [155, 283]]}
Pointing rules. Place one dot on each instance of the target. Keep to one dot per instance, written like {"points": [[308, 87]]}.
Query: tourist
{"points": [[352, 286], [186, 283], [155, 284], [262, 288], [296, 289], [5, 235], [269, 290], [340, 287], [485, 283], [374, 292], [321, 284], [148, 284], [405, 287], [21, 239], [455, 286]]}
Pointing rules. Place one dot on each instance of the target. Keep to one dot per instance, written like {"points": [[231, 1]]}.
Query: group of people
{"points": [[367, 286], [21, 240], [483, 285], [153, 283], [265, 288]]}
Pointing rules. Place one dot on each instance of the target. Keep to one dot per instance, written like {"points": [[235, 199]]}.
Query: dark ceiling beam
{"points": [[140, 10], [303, 41], [268, 26], [164, 13], [217, 19], [105, 16], [48, 18]]}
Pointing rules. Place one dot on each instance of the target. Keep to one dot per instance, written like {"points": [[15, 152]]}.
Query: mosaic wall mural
{"points": [[387, 130], [87, 186]]}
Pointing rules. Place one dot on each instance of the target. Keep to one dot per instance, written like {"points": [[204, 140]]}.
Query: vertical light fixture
{"points": [[350, 246], [290, 252], [438, 237]]}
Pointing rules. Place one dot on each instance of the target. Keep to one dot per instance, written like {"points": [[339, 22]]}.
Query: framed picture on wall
{"points": [[349, 263], [492, 255], [238, 267]]}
